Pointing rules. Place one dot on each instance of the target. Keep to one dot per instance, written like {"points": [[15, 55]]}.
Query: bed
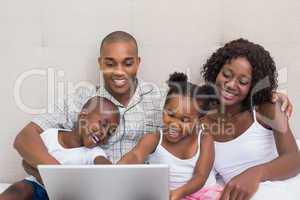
{"points": [[3, 186]]}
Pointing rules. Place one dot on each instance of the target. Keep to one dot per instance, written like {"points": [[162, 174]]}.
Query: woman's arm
{"points": [[201, 171], [140, 152], [288, 162], [286, 165]]}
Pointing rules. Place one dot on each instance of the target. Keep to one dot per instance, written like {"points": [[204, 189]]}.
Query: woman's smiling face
{"points": [[234, 81]]}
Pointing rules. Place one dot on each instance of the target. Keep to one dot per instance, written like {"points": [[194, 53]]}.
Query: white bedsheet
{"points": [[279, 190]]}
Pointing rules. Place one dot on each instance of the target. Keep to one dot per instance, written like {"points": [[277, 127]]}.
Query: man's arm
{"points": [[28, 142], [283, 100], [31, 147], [32, 171]]}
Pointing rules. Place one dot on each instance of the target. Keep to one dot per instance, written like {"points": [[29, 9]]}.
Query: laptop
{"points": [[106, 182]]}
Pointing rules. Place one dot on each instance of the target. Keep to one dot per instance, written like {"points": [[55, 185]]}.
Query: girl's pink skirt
{"points": [[207, 193]]}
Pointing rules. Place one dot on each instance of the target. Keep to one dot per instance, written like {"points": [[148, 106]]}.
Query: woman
{"points": [[253, 141]]}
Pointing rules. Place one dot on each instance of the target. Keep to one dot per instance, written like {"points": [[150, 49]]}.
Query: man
{"points": [[139, 104]]}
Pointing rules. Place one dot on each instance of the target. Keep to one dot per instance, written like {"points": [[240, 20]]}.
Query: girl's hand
{"points": [[175, 195], [243, 186]]}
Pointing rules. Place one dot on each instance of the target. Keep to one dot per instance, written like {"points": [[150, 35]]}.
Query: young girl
{"points": [[256, 153], [189, 155], [96, 122]]}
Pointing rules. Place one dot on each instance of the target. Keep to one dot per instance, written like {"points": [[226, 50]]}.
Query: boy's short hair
{"points": [[100, 104]]}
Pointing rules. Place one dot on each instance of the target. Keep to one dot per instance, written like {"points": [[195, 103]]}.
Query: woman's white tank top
{"points": [[255, 146]]}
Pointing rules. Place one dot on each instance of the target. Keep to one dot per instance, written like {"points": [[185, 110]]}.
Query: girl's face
{"points": [[234, 81], [95, 128], [180, 118]]}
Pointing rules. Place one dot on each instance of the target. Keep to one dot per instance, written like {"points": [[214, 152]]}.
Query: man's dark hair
{"points": [[119, 36]]}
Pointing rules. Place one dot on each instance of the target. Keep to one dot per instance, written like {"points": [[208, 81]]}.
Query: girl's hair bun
{"points": [[177, 77]]}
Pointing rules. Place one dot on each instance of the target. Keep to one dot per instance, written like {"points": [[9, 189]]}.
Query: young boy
{"points": [[97, 121]]}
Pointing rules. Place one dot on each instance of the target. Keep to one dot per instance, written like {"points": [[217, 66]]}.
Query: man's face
{"points": [[119, 63]]}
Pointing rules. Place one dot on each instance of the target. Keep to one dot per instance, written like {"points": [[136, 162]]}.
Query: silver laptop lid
{"points": [[107, 182]]}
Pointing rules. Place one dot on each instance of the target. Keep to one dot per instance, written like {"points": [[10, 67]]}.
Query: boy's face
{"points": [[95, 128], [180, 118], [119, 63]]}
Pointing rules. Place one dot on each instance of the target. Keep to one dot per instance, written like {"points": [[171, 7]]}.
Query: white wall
{"points": [[172, 35], [275, 25]]}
